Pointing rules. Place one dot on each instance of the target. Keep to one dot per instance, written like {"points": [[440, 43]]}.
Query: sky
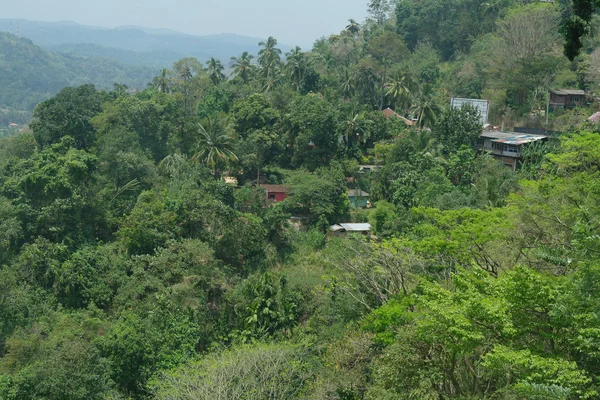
{"points": [[293, 22]]}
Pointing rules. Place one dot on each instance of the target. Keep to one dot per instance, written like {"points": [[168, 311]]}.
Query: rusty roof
{"points": [[389, 113], [275, 188]]}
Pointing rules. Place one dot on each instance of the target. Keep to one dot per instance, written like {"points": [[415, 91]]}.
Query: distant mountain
{"points": [[30, 74], [131, 44], [151, 59]]}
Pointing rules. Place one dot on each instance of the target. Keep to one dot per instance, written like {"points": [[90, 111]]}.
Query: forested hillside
{"points": [[29, 75], [142, 255]]}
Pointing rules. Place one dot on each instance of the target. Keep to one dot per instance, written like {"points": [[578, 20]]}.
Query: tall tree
{"points": [[68, 114], [353, 27], [215, 143], [296, 65], [398, 89], [215, 71], [379, 9], [426, 107], [242, 66], [187, 72], [269, 57], [161, 82], [356, 129], [347, 85], [578, 25]]}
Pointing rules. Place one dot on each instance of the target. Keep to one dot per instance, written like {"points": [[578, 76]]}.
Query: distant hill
{"points": [[150, 59], [132, 45], [30, 74]]}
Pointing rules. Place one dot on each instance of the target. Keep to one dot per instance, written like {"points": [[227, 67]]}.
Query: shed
{"points": [[345, 228], [275, 192], [566, 98], [358, 198]]}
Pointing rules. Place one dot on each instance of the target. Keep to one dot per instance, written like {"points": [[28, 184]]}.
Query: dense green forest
{"points": [[29, 74], [131, 269]]}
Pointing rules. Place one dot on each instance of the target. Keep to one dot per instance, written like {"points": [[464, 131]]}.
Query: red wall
{"points": [[279, 196]]}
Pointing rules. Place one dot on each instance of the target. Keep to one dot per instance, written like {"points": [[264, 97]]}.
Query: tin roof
{"points": [[568, 92], [275, 188], [511, 137], [357, 193], [388, 112], [356, 227]]}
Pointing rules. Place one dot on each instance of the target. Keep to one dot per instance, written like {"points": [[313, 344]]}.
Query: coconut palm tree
{"points": [[215, 71], [426, 107], [270, 83], [353, 26], [215, 143], [269, 56], [398, 89], [366, 81], [347, 86], [296, 65], [161, 82], [242, 66], [356, 128]]}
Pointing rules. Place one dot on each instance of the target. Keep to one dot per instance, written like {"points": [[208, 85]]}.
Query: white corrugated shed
{"points": [[356, 227]]}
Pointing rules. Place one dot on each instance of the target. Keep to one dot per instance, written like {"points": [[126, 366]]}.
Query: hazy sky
{"points": [[290, 21]]}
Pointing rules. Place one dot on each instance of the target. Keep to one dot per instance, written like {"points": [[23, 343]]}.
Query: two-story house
{"points": [[507, 146]]}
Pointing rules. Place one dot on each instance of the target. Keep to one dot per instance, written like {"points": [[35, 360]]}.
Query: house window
{"points": [[272, 197], [496, 146], [511, 149]]}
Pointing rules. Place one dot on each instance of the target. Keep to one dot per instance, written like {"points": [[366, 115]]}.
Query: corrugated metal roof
{"points": [[336, 228], [275, 188], [568, 92], [511, 137], [388, 112], [357, 192], [356, 227]]}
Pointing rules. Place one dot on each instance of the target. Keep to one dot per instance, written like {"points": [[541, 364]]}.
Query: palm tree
{"points": [[215, 144], [356, 128], [242, 66], [161, 82], [492, 7], [426, 107], [296, 64], [215, 71], [422, 141], [173, 165], [398, 89], [353, 26], [366, 79], [347, 86], [270, 83], [269, 56]]}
